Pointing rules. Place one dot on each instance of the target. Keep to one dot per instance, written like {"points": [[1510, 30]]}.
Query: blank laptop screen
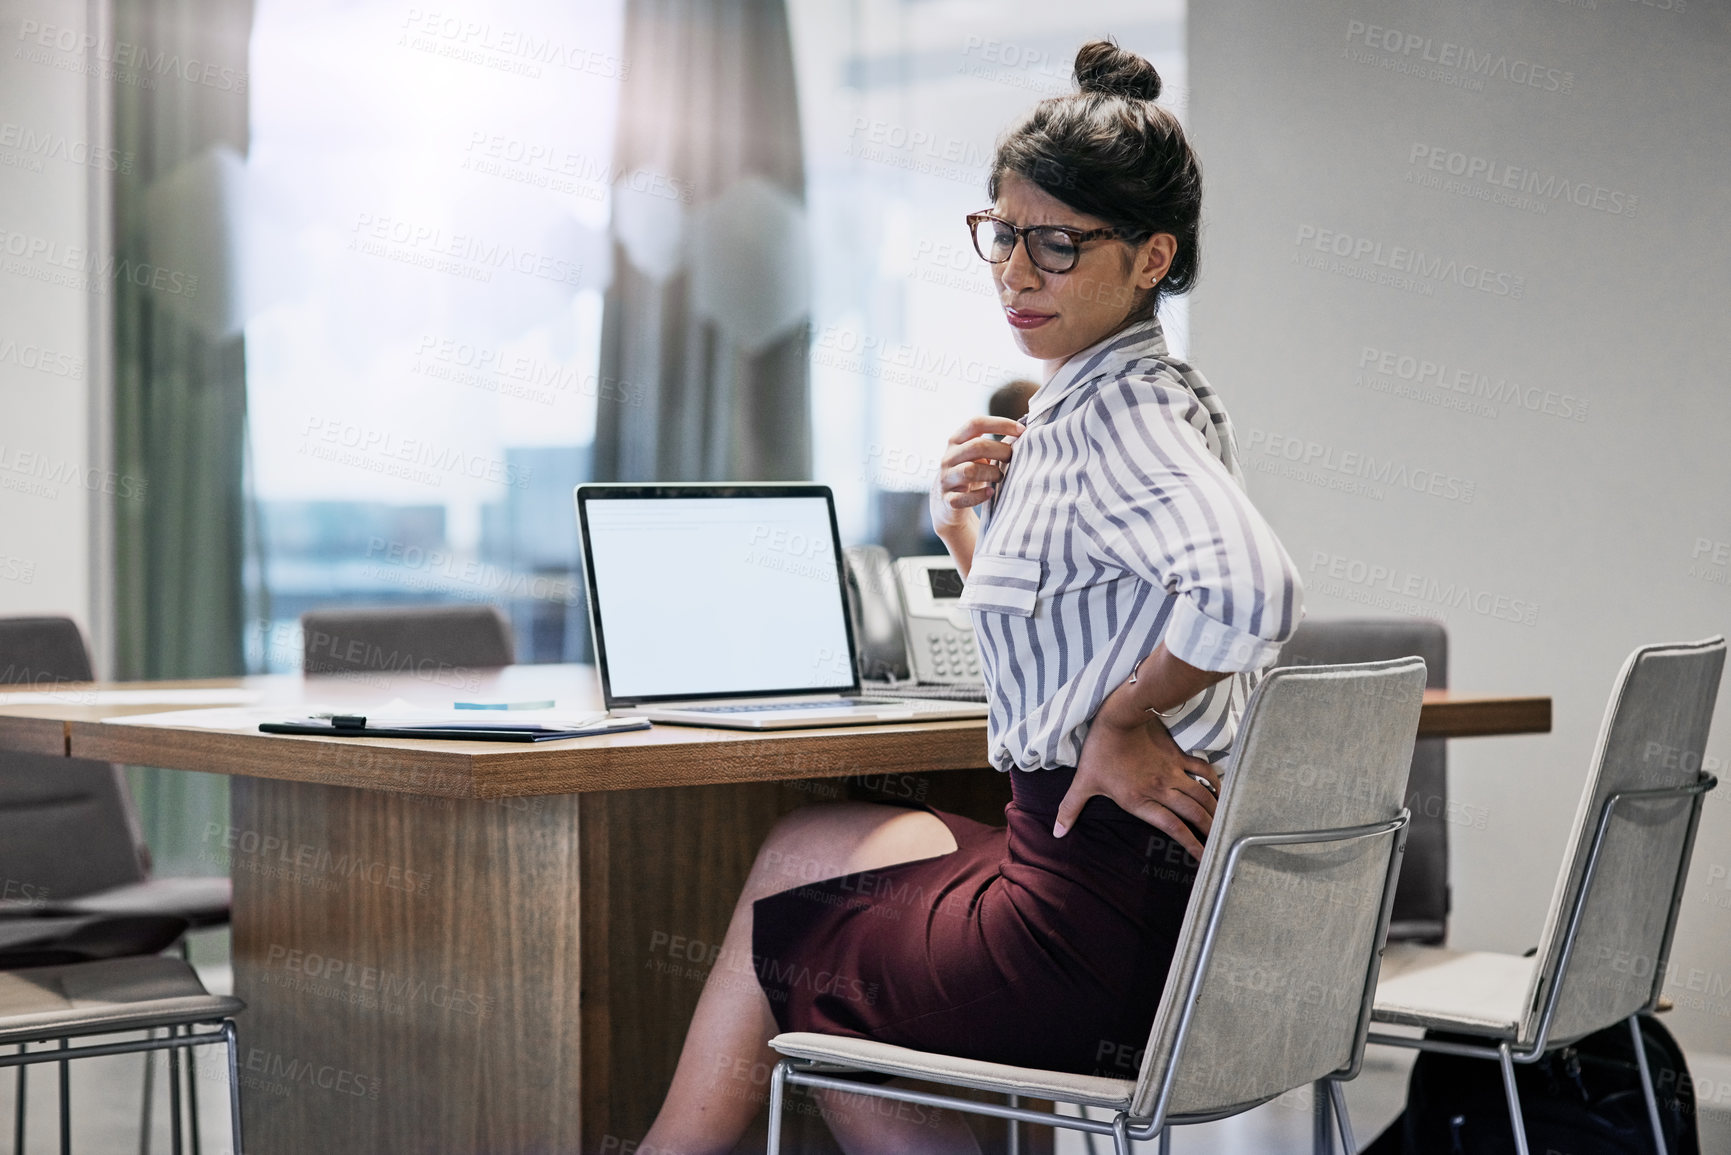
{"points": [[717, 595]]}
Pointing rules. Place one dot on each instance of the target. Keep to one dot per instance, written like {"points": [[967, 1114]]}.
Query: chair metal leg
{"points": [[1087, 1136], [1321, 1124], [1165, 1141], [18, 1111], [777, 1091], [65, 1101], [1121, 1135], [173, 1097], [1014, 1145], [233, 1048], [1519, 1125], [1647, 1086], [192, 1093], [1337, 1096], [147, 1109], [191, 1066]]}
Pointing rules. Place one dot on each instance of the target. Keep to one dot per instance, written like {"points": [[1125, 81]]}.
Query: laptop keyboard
{"points": [[938, 691], [830, 704]]}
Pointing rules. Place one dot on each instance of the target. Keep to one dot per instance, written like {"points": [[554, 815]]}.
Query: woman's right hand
{"points": [[1142, 769], [972, 465]]}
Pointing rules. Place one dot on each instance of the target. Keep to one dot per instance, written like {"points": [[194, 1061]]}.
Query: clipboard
{"points": [[355, 726]]}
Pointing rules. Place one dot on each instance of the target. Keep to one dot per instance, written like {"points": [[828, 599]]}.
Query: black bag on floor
{"points": [[1583, 1099]]}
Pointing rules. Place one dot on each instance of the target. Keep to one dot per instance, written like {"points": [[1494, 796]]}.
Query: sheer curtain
{"points": [[704, 337], [179, 372]]}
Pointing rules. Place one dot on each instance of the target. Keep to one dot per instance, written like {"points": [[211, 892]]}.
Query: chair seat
{"points": [[97, 997], [200, 901], [1478, 992], [866, 1055], [67, 939]]}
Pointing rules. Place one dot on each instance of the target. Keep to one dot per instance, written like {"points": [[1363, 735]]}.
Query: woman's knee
{"points": [[815, 842], [833, 839]]}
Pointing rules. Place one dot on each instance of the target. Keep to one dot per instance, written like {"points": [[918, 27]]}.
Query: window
{"points": [[429, 194], [900, 106]]}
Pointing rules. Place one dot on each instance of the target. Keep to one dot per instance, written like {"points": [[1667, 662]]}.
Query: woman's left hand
{"points": [[1142, 769]]}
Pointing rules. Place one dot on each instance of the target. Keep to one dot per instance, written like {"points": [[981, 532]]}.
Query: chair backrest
{"points": [[43, 652], [1421, 899], [1654, 736], [1281, 996], [67, 825], [405, 639]]}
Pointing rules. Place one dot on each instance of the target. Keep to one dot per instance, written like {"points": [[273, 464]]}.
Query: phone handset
{"points": [[879, 634]]}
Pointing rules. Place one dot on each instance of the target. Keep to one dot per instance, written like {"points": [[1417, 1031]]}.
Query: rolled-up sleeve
{"points": [[1162, 506]]}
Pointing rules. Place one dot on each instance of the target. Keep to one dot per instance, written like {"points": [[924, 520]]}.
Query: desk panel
{"points": [[508, 976], [640, 759]]}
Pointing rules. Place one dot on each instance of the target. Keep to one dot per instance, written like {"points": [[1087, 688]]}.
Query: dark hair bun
{"points": [[1103, 67], [1110, 151]]}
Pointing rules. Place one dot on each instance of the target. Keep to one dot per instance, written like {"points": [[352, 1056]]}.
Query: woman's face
{"points": [[1054, 315]]}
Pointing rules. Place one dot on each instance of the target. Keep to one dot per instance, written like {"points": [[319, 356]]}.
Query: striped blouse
{"points": [[1122, 520]]}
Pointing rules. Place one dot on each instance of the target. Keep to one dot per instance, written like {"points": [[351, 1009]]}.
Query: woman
{"points": [[1125, 594]]}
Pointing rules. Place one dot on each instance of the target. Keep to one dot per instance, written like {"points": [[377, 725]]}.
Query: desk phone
{"points": [[940, 633]]}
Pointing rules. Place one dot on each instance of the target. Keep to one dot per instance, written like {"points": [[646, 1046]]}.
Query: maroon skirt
{"points": [[1016, 948]]}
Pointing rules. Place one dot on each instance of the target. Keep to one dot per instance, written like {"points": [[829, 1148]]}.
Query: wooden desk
{"points": [[471, 947]]}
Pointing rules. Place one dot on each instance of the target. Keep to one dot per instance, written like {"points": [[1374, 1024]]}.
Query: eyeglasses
{"points": [[1052, 248]]}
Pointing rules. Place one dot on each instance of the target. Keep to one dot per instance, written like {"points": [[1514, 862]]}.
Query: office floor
{"points": [[1282, 1127], [106, 1095], [107, 1092]]}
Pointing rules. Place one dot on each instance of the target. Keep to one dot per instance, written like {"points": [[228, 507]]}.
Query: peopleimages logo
{"points": [[384, 451], [1422, 372], [1711, 561], [40, 145], [1486, 178], [1392, 588], [1363, 467], [461, 253], [1400, 266], [123, 55], [42, 259], [505, 48], [1452, 61], [43, 360], [898, 362]]}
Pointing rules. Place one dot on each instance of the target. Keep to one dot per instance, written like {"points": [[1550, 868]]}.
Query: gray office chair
{"points": [[70, 839], [52, 941], [1421, 899], [57, 1004], [405, 639], [1310, 807], [1616, 900]]}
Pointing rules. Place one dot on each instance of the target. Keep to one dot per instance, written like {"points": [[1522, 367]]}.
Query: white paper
{"points": [[399, 715], [396, 717], [213, 697], [231, 719]]}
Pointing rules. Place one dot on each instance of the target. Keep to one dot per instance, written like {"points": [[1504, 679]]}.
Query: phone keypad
{"points": [[953, 656]]}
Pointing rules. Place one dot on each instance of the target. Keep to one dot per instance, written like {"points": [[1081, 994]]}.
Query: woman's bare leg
{"points": [[722, 1078], [868, 1126]]}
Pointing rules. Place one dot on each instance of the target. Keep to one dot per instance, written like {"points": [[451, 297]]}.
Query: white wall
{"points": [[1588, 516], [47, 294]]}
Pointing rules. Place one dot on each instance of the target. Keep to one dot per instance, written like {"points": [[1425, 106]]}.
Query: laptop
{"points": [[723, 605]]}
